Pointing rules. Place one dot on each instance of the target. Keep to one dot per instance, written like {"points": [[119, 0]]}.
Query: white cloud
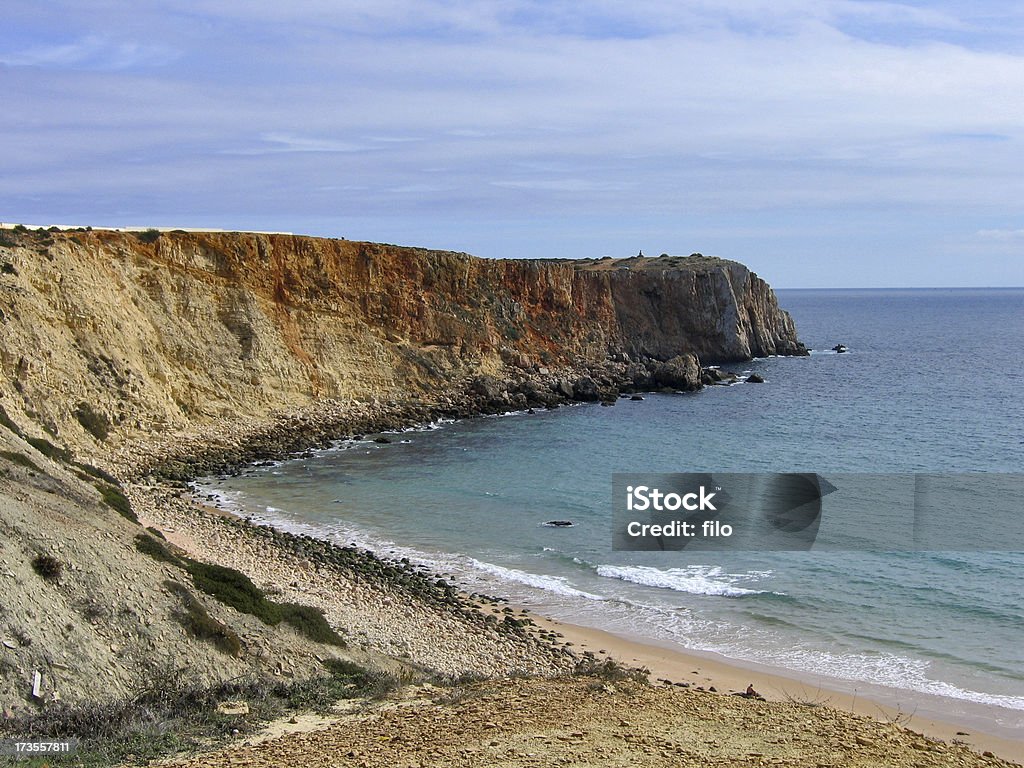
{"points": [[92, 52], [515, 108]]}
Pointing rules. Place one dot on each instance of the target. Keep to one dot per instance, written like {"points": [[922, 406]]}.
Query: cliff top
{"points": [[664, 262]]}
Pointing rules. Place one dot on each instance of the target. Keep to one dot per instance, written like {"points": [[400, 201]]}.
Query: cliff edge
{"points": [[121, 335]]}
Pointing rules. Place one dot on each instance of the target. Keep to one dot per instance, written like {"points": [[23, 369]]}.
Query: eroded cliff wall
{"points": [[151, 332]]}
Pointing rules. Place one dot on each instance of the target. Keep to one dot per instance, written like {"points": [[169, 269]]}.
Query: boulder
{"points": [[563, 388], [487, 387], [755, 379], [585, 388], [682, 372], [639, 376]]}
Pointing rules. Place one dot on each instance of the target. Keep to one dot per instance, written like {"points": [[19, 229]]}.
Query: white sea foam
{"points": [[694, 579], [557, 584], [887, 670], [231, 500]]}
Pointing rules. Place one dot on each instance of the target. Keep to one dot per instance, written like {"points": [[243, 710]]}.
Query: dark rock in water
{"points": [[381, 440], [839, 348], [637, 397], [607, 403], [585, 388], [559, 523], [718, 376], [682, 372], [755, 379]]}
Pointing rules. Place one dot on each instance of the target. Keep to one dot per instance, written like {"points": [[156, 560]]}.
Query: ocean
{"points": [[933, 382]]}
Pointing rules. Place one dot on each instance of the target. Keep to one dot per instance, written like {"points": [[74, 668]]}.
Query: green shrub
{"points": [[611, 671], [116, 500], [96, 473], [233, 588], [94, 422], [236, 589], [147, 545], [19, 458], [149, 236], [48, 449], [198, 621], [47, 566], [361, 681], [310, 621]]}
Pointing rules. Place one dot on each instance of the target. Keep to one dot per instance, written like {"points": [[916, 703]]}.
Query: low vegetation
{"points": [[95, 423], [47, 566], [168, 715], [114, 498], [197, 620], [20, 459], [237, 590], [148, 236], [611, 671]]}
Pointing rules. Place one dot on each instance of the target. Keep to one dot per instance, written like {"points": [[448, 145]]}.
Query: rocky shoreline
{"points": [[384, 606], [226, 449]]}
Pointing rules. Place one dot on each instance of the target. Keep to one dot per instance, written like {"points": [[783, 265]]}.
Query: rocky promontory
{"points": [[110, 336]]}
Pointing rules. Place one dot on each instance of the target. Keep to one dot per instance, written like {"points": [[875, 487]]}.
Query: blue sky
{"points": [[824, 143]]}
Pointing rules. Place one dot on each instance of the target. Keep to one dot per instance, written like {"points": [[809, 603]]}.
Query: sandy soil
{"points": [[588, 721]]}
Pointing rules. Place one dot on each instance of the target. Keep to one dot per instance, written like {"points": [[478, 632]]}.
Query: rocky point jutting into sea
{"points": [[135, 334]]}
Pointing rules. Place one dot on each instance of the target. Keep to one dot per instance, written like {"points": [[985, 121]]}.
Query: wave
{"points": [[556, 584], [891, 671], [694, 579]]}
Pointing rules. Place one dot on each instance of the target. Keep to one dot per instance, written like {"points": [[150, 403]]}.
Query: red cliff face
{"points": [[200, 326]]}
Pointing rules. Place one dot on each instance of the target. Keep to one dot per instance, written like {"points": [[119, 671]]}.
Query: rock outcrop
{"points": [[126, 334]]}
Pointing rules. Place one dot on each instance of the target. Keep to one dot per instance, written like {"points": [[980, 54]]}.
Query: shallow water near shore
{"points": [[932, 382]]}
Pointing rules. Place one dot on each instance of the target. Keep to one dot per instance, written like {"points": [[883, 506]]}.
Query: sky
{"points": [[824, 143]]}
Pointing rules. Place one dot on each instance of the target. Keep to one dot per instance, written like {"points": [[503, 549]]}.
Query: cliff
{"points": [[178, 351], [126, 334]]}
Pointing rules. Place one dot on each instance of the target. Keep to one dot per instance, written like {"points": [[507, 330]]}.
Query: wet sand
{"points": [[727, 677]]}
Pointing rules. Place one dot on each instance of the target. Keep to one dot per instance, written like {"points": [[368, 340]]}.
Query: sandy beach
{"points": [[378, 621], [727, 677]]}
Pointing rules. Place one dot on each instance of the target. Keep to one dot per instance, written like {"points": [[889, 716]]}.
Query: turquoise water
{"points": [[933, 381]]}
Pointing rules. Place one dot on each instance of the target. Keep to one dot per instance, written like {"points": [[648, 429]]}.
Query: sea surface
{"points": [[933, 382]]}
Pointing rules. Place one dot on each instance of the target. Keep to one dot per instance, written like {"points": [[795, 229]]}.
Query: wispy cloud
{"points": [[92, 52], [588, 115], [1001, 234], [271, 143]]}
